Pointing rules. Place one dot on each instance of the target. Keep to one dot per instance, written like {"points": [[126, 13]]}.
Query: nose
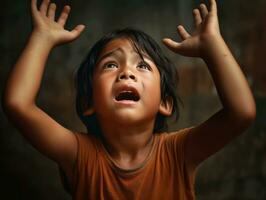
{"points": [[126, 74]]}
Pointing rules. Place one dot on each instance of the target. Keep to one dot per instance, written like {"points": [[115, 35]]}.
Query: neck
{"points": [[127, 143]]}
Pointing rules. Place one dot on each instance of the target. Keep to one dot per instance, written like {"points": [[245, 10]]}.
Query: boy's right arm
{"points": [[45, 134]]}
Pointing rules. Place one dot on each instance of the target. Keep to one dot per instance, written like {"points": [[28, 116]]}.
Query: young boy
{"points": [[123, 156]]}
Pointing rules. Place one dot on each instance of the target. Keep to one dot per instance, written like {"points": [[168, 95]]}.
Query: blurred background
{"points": [[236, 172]]}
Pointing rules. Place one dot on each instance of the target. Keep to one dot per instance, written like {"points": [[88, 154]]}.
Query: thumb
{"points": [[171, 44], [77, 31]]}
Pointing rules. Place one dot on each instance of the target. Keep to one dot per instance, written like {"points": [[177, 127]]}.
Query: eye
{"points": [[144, 66], [110, 65]]}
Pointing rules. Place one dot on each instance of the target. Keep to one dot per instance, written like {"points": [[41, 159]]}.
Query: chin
{"points": [[131, 118]]}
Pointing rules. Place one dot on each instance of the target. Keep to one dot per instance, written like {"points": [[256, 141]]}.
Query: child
{"points": [[126, 90]]}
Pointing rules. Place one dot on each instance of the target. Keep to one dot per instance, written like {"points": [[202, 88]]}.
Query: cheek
{"points": [[98, 90], [99, 93], [153, 91], [102, 89]]}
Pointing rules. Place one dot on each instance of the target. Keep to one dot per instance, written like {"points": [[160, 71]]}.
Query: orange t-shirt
{"points": [[163, 175]]}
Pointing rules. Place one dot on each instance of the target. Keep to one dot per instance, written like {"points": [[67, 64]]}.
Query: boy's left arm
{"points": [[239, 108]]}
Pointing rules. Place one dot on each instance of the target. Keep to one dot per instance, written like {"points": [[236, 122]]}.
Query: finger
{"points": [[77, 31], [213, 6], [34, 8], [182, 32], [203, 11], [51, 11], [197, 17], [64, 15], [170, 44], [44, 6]]}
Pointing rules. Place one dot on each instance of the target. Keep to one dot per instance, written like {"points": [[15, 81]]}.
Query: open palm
{"points": [[206, 26], [45, 24]]}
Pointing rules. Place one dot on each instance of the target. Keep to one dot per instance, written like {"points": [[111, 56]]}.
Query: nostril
{"points": [[132, 77], [126, 75], [122, 76]]}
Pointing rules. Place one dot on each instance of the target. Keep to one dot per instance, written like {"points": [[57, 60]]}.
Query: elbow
{"points": [[15, 100], [7, 101], [247, 117], [10, 105], [250, 113], [242, 118]]}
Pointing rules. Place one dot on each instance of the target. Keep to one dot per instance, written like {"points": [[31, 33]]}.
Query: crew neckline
{"points": [[134, 170]]}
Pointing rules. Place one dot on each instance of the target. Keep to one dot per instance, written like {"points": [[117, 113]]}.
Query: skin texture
{"points": [[59, 144], [122, 69], [239, 108], [43, 132]]}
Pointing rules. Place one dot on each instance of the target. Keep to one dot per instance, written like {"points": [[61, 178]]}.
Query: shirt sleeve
{"points": [[86, 155], [175, 144]]}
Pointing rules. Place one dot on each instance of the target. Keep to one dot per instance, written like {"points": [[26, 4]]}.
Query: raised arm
{"points": [[49, 137], [239, 108]]}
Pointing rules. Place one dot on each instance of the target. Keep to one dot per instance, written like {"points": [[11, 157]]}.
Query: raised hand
{"points": [[46, 27], [206, 28]]}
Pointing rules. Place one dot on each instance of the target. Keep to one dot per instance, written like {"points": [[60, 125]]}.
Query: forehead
{"points": [[117, 43], [123, 45]]}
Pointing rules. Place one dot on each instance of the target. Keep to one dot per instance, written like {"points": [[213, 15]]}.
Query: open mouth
{"points": [[128, 96]]}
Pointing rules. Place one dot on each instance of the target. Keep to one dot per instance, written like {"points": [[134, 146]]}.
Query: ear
{"points": [[166, 107], [89, 111]]}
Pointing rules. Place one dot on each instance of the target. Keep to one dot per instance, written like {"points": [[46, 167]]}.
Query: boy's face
{"points": [[126, 89]]}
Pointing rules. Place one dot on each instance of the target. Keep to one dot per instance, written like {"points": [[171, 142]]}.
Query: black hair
{"points": [[142, 43]]}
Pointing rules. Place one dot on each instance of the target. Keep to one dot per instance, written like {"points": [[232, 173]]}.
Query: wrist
{"points": [[42, 40], [213, 45]]}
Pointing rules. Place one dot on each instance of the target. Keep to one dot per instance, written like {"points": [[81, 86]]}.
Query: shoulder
{"points": [[85, 148], [174, 143], [87, 145], [86, 156], [85, 138], [177, 136]]}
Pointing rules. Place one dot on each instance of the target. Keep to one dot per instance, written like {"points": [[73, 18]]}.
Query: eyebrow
{"points": [[109, 54], [120, 49]]}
